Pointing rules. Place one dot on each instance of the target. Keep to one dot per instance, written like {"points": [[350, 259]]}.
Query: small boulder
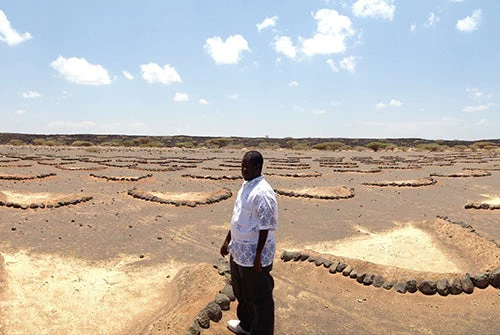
{"points": [[203, 319], [368, 280], [455, 286], [214, 311], [495, 278], [443, 287], [333, 267], [467, 284], [327, 263], [341, 267], [428, 287], [411, 285], [289, 255], [400, 287], [378, 281], [347, 271], [223, 301], [303, 257], [388, 285], [481, 280], [319, 261], [194, 329], [228, 291]]}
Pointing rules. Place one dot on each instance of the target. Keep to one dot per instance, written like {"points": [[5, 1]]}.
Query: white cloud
{"points": [[331, 33], [267, 23], [80, 71], [31, 95], [153, 73], [456, 1], [470, 23], [474, 93], [8, 34], [203, 102], [413, 27], [127, 75], [318, 111], [233, 96], [20, 112], [395, 103], [348, 64], [293, 84], [431, 20], [478, 108], [481, 122], [226, 52], [332, 65], [181, 97], [392, 103], [383, 9], [284, 45]]}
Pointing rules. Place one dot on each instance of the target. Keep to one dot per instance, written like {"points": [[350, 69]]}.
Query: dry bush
{"points": [[377, 146], [186, 145], [433, 147], [16, 142], [82, 144], [331, 146]]}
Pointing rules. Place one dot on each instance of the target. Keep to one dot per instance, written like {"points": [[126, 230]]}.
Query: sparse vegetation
{"points": [[331, 146], [185, 145], [433, 147], [377, 146], [16, 142], [82, 144]]}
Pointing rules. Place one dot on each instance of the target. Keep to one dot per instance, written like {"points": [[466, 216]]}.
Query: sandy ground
{"points": [[120, 265]]}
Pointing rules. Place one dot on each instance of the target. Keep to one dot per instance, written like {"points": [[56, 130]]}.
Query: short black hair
{"points": [[255, 157]]}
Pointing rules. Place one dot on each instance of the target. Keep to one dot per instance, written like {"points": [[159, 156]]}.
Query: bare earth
{"points": [[121, 265]]}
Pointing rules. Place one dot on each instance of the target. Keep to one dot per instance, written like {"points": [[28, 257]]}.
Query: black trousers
{"points": [[254, 292]]}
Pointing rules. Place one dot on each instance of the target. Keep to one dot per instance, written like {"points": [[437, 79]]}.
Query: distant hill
{"points": [[206, 141]]}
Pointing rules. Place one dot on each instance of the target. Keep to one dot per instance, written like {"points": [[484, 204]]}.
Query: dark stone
{"points": [[304, 257], [428, 287], [442, 286], [333, 267], [411, 285], [194, 329], [368, 280], [455, 286], [481, 280], [347, 270], [311, 259], [214, 311], [360, 277], [228, 291], [223, 301], [288, 255], [327, 263], [378, 281], [495, 278], [33, 206], [319, 261], [467, 284], [353, 274], [341, 267], [203, 319], [400, 287], [222, 266]]}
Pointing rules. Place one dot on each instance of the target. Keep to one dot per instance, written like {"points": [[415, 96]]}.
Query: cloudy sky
{"points": [[281, 68]]}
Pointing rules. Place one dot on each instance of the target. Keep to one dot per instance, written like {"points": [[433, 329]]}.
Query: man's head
{"points": [[251, 165]]}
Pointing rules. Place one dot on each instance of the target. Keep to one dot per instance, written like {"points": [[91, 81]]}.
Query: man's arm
{"points": [[224, 249], [257, 263]]}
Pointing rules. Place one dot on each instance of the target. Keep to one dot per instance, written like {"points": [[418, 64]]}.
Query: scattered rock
{"points": [[223, 301], [467, 284], [347, 271], [203, 319], [481, 280], [411, 285], [214, 311], [428, 287], [455, 286], [388, 285], [194, 329], [495, 278], [378, 281], [400, 287], [228, 291], [443, 287]]}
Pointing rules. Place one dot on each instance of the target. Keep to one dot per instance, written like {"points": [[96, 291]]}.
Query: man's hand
{"points": [[224, 250], [257, 263]]}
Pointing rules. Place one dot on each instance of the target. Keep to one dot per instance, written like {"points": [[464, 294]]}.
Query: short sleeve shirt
{"points": [[255, 209]]}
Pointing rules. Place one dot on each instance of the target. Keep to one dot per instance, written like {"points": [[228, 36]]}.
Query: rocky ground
{"points": [[117, 241]]}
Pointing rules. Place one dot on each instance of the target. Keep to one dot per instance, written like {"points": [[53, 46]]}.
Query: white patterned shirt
{"points": [[255, 209]]}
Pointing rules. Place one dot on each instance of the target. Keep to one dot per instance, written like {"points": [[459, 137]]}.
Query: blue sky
{"points": [[295, 68]]}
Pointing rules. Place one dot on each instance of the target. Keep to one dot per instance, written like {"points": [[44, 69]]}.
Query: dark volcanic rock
{"points": [[228, 291], [455, 286], [388, 285], [341, 267], [194, 329], [289, 255], [495, 278], [481, 280], [378, 281], [347, 271], [203, 319], [400, 287], [428, 287], [467, 284], [368, 280], [327, 263], [411, 285], [442, 286], [214, 311], [223, 301], [319, 261]]}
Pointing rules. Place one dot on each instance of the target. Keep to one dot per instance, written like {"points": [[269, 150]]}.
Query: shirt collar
{"points": [[248, 183]]}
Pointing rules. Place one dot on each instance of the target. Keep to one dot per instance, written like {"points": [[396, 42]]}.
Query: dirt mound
{"points": [[403, 183], [184, 199], [325, 192]]}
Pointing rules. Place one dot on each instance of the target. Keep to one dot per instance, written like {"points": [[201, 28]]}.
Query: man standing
{"points": [[252, 246]]}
